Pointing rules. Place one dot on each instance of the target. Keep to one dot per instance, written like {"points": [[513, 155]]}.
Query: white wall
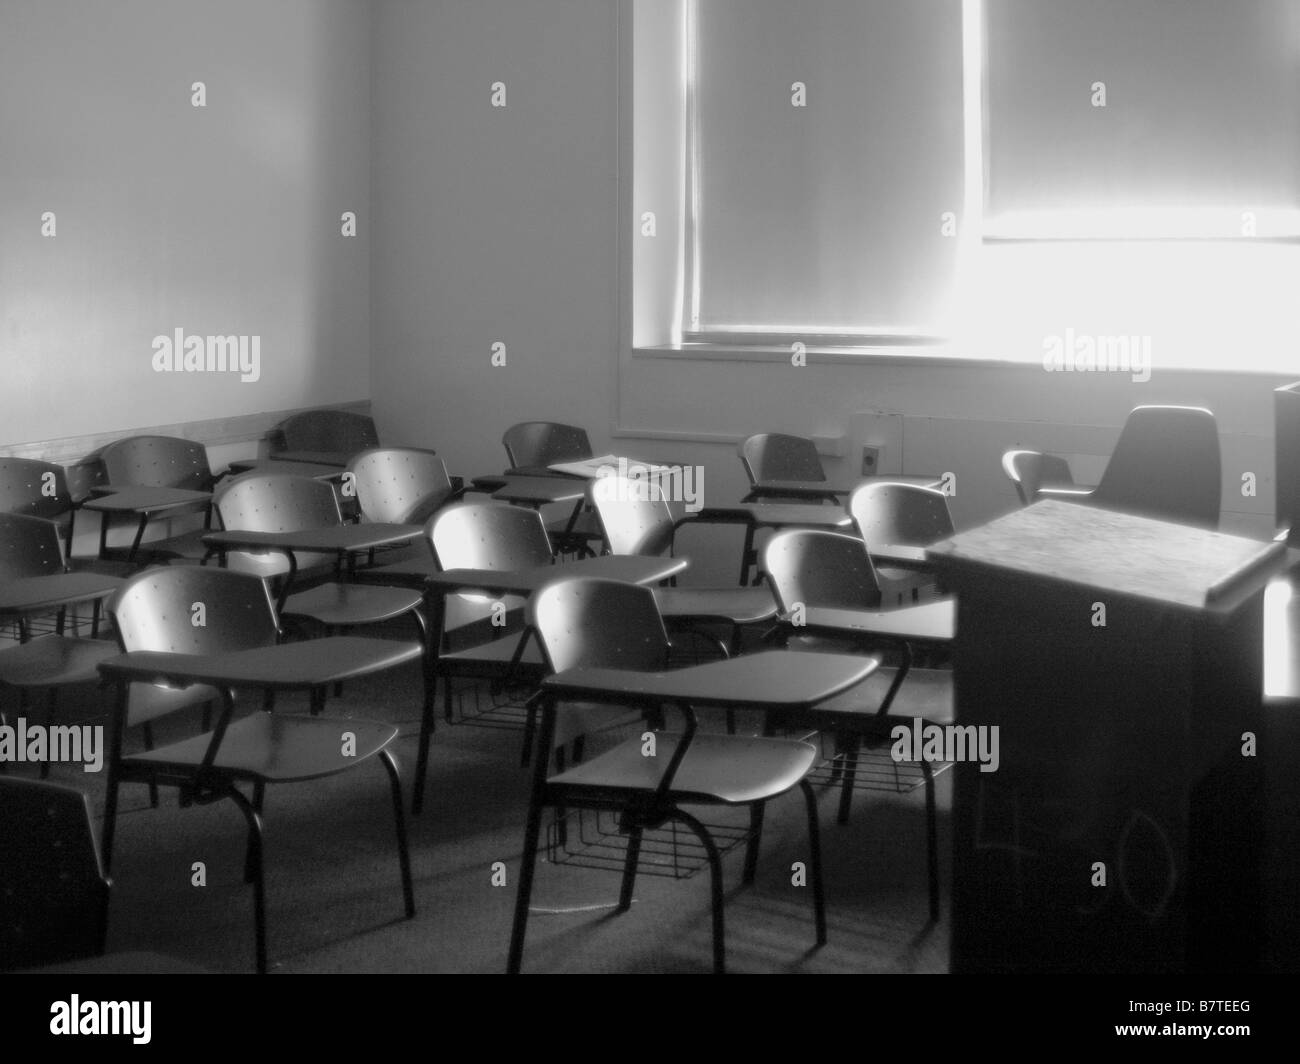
{"points": [[494, 225], [222, 220]]}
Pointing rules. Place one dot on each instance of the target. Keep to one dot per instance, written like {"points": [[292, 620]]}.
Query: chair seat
{"points": [[150, 701], [271, 748], [727, 769], [736, 605], [342, 605], [54, 660]]}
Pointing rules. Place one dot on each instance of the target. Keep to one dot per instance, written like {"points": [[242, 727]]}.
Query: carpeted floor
{"points": [[334, 899]]}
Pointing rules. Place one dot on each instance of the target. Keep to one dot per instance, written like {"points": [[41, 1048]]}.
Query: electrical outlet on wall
{"points": [[871, 455]]}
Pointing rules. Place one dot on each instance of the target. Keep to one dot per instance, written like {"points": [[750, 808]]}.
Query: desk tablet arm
{"points": [[861, 640]]}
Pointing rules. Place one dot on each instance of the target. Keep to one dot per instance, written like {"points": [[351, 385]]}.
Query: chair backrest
{"points": [[491, 535], [543, 443], [29, 546], [908, 515], [35, 488], [328, 430], [587, 623], [828, 570], [55, 894], [774, 456], [275, 503], [157, 462], [399, 485], [634, 515], [1030, 470], [1165, 465], [192, 609]]}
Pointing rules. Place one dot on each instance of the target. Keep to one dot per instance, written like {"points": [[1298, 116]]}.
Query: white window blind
{"points": [[1200, 122], [826, 218]]}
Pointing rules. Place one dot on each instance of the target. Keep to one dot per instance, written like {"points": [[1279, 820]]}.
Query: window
{"points": [[824, 148], [997, 174], [1142, 118]]}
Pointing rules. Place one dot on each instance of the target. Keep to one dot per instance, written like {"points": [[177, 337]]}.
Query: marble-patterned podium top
{"points": [[1118, 552]]}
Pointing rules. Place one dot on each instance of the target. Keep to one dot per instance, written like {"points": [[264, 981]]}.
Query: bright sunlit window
{"points": [[986, 178]]}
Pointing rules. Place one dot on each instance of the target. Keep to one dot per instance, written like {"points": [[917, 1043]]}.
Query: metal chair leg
{"points": [[147, 732], [255, 863], [533, 708], [426, 665], [250, 865], [815, 859], [715, 879], [110, 820], [399, 816], [51, 706], [532, 833], [422, 758], [756, 812], [932, 840], [561, 814], [852, 746], [630, 860], [113, 756]]}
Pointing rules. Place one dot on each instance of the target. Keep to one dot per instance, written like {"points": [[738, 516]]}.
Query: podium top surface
{"points": [[1120, 553]]}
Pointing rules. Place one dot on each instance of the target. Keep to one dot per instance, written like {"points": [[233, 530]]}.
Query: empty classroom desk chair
{"points": [[400, 485], [238, 648], [499, 538], [605, 638], [1029, 471], [828, 590], [34, 583], [288, 504], [38, 489], [326, 437], [785, 467], [532, 447], [1166, 465], [54, 888], [897, 522], [635, 519], [166, 469]]}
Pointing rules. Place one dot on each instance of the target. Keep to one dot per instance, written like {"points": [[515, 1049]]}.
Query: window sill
{"points": [[934, 353]]}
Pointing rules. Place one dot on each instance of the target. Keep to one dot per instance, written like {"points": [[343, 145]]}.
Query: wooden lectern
{"points": [[1120, 658]]}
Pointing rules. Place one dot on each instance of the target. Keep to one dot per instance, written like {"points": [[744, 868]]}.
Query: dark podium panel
{"points": [[1119, 744]]}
